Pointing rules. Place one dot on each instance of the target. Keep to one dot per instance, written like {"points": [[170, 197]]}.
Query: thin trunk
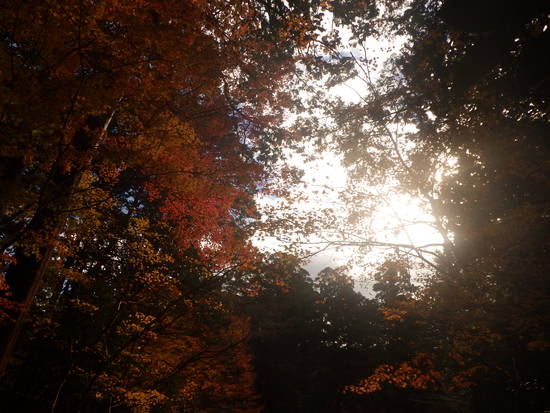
{"points": [[59, 389], [25, 275]]}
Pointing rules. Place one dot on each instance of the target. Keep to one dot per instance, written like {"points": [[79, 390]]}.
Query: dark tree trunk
{"points": [[34, 251]]}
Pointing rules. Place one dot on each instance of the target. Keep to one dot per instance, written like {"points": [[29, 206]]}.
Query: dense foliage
{"points": [[135, 138], [459, 119]]}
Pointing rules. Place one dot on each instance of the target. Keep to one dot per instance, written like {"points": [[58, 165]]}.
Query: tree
{"points": [[128, 321], [169, 95], [470, 92], [309, 336]]}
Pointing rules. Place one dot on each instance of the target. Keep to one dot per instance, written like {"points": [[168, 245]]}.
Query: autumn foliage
{"points": [[135, 139], [130, 147]]}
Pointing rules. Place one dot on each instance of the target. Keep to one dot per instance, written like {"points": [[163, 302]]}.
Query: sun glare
{"points": [[397, 223], [393, 221]]}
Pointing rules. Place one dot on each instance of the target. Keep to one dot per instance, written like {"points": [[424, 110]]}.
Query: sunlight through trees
{"points": [[168, 169]]}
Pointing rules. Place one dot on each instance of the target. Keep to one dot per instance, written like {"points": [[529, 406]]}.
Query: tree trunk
{"points": [[25, 275]]}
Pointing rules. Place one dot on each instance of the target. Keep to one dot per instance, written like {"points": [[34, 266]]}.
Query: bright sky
{"points": [[399, 219]]}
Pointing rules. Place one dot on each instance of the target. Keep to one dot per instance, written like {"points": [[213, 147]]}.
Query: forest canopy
{"points": [[147, 147]]}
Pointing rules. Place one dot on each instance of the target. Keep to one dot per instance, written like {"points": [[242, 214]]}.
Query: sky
{"points": [[325, 178]]}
